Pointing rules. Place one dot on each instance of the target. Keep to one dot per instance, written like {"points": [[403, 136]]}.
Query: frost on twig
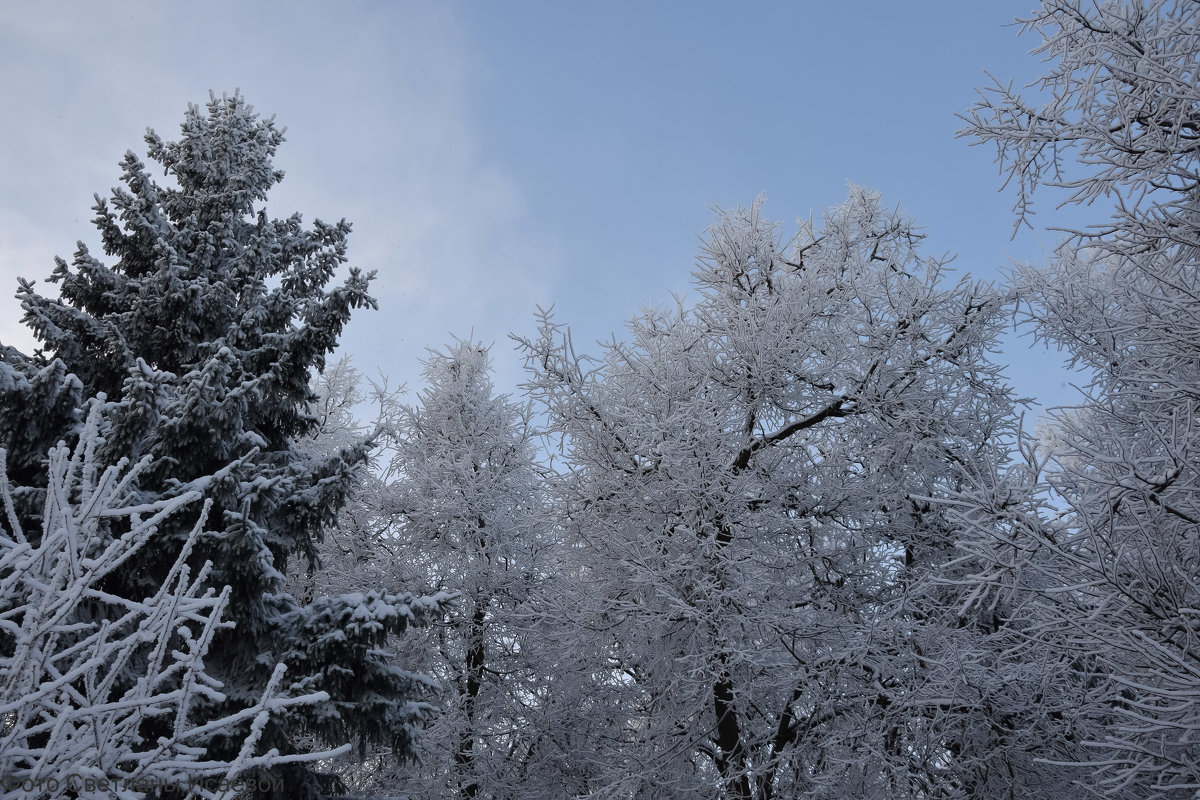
{"points": [[71, 717]]}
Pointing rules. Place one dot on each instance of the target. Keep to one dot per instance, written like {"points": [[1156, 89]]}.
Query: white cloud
{"points": [[377, 102]]}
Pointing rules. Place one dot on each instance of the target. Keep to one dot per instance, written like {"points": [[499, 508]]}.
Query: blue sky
{"points": [[494, 156]]}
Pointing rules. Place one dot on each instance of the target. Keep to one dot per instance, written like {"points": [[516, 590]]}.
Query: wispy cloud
{"points": [[376, 98]]}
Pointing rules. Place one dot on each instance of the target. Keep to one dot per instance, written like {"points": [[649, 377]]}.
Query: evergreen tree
{"points": [[204, 330]]}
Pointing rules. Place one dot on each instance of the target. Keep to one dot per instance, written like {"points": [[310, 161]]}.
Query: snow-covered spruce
{"points": [[204, 328]]}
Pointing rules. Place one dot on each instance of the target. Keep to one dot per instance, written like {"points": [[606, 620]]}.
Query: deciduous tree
{"points": [[748, 509], [1099, 532], [471, 518]]}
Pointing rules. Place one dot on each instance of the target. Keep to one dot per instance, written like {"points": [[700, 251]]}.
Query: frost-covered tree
{"points": [[470, 519], [68, 726], [1099, 535], [204, 329], [752, 537]]}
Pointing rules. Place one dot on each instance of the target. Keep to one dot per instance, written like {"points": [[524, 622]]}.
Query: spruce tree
{"points": [[203, 330]]}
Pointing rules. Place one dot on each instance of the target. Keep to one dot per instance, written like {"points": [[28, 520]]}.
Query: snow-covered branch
{"points": [[99, 690]]}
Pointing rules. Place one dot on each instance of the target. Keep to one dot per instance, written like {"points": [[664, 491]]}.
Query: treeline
{"points": [[787, 540]]}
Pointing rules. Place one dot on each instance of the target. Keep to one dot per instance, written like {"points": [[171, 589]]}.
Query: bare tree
{"points": [[748, 509], [468, 501], [1100, 531]]}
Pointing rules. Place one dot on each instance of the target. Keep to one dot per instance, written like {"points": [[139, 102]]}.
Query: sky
{"points": [[494, 157]]}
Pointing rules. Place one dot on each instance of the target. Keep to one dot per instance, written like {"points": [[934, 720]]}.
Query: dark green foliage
{"points": [[335, 633], [39, 401]]}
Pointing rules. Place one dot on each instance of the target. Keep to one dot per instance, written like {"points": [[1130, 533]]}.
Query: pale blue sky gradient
{"points": [[494, 156]]}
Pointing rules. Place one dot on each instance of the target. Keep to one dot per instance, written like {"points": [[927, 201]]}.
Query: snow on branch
{"points": [[98, 693]]}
